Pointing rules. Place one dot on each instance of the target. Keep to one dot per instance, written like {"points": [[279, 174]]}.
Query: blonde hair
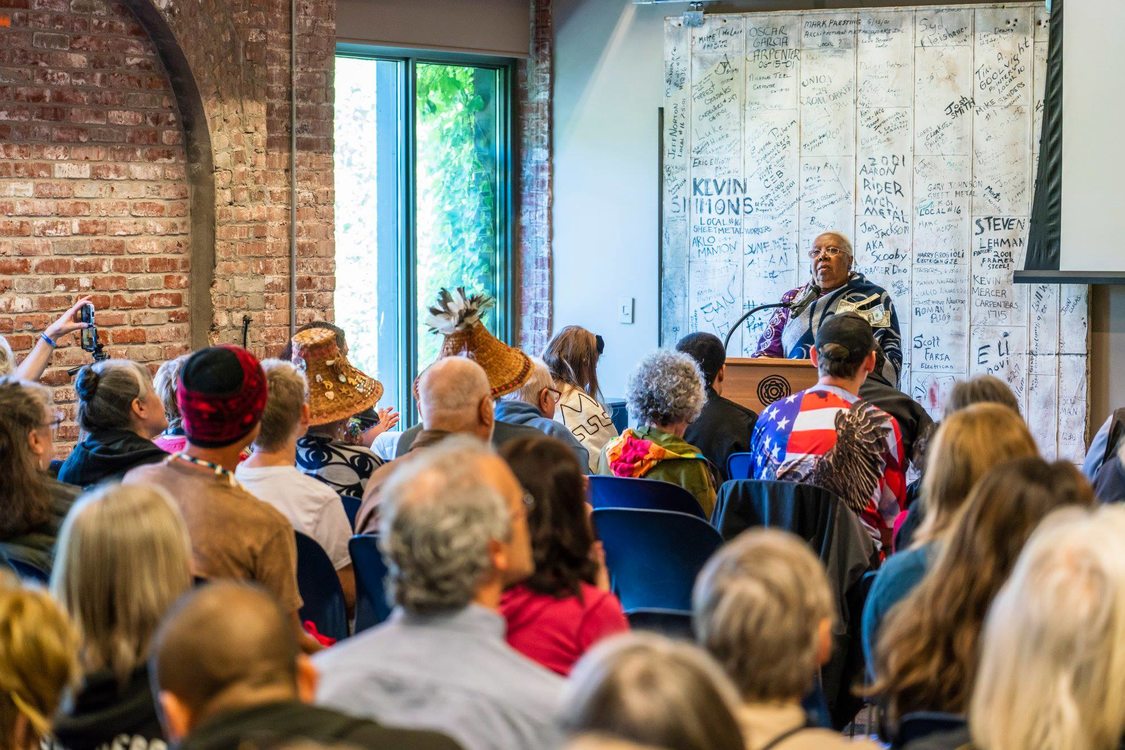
{"points": [[38, 658], [124, 557], [967, 444], [980, 389], [652, 690], [758, 605], [1052, 670], [288, 392], [165, 382]]}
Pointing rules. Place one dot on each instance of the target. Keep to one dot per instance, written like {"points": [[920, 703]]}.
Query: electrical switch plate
{"points": [[625, 310]]}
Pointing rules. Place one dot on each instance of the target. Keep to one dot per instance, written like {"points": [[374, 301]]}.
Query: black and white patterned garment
{"points": [[345, 468]]}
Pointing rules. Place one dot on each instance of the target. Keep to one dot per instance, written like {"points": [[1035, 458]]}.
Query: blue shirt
{"points": [[453, 673], [900, 574]]}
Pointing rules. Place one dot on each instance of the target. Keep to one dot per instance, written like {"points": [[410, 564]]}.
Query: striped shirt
{"points": [[792, 435]]}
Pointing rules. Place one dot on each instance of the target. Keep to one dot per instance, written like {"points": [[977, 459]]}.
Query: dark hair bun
{"points": [[834, 351], [86, 385]]}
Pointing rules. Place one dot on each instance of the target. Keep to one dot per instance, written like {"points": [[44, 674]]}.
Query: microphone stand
{"points": [[747, 314]]}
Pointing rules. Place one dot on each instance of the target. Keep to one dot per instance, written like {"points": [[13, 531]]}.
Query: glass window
{"points": [[422, 202]]}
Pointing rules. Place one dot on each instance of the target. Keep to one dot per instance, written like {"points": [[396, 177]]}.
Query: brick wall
{"points": [[534, 261]]}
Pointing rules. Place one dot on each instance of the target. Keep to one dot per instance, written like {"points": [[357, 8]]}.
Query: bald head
{"points": [[454, 396], [223, 644]]}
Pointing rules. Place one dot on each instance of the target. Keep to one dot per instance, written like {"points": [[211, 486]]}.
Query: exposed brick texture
{"points": [[534, 261]]}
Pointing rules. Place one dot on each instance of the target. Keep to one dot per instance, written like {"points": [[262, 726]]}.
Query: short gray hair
{"points": [[539, 379], [437, 517], [758, 605], [7, 359], [666, 387], [845, 243], [449, 394], [165, 380]]}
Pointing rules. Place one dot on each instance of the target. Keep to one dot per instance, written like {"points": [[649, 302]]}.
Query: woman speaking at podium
{"points": [[834, 288]]}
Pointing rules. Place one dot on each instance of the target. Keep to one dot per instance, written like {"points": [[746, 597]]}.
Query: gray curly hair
{"points": [[665, 387], [437, 516]]}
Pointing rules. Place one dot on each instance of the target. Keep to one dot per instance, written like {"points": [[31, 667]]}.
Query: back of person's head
{"points": [[123, 557], [665, 388], [38, 662], [106, 392], [597, 741], [927, 654], [224, 645], [843, 343], [450, 395], [763, 608], [572, 357], [967, 444], [707, 350], [561, 537], [7, 358], [1052, 669], [649, 689], [439, 517], [288, 393], [165, 380], [24, 410], [221, 394], [531, 390], [980, 389]]}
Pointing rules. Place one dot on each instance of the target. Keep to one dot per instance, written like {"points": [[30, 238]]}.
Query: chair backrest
{"points": [[320, 589], [919, 724], [646, 494], [653, 556], [618, 413], [29, 572], [351, 507], [740, 465], [371, 606]]}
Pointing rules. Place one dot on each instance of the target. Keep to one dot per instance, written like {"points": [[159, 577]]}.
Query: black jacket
{"points": [[108, 455], [267, 726], [104, 713], [723, 428]]}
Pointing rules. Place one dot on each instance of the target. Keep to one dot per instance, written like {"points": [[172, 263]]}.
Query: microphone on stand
{"points": [[797, 306]]}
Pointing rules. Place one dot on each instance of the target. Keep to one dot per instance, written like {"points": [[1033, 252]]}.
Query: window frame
{"points": [[406, 255]]}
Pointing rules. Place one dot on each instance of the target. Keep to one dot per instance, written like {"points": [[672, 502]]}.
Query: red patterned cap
{"points": [[221, 394]]}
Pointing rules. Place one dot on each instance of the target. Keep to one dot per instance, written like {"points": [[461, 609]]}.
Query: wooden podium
{"points": [[757, 383]]}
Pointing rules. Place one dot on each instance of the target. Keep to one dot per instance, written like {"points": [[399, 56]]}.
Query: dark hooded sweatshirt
{"points": [[104, 713], [108, 455]]}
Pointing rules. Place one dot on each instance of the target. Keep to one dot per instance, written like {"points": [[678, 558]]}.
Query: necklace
{"points": [[219, 470]]}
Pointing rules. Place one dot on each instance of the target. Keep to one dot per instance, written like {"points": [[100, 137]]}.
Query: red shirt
{"points": [[556, 632]]}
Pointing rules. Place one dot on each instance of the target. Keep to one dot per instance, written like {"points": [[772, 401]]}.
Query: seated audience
{"points": [[124, 557], [34, 504], [927, 653], [559, 611], [1052, 652], [38, 661], [270, 473], [453, 399], [120, 413], [453, 529], [648, 689], [572, 357], [458, 318], [229, 674], [965, 447], [221, 396], [828, 436], [665, 395], [534, 404], [36, 361], [167, 376], [763, 608], [723, 427], [337, 392]]}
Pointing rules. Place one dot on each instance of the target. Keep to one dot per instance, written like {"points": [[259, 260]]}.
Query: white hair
{"points": [[539, 379], [665, 388], [449, 394], [7, 359], [1052, 670]]}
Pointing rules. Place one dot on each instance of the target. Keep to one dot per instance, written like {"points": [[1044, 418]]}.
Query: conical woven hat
{"points": [[458, 318], [337, 390]]}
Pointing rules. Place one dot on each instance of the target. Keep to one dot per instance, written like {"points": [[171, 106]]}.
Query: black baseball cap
{"points": [[847, 330]]}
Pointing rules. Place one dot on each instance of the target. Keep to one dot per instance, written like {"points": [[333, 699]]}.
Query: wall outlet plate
{"points": [[625, 310]]}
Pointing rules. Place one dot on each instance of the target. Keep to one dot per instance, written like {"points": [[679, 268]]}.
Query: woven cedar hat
{"points": [[457, 316], [337, 390]]}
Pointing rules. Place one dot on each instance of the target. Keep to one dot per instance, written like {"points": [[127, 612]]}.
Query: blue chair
{"points": [[618, 413], [919, 724], [351, 507], [740, 466], [371, 606], [653, 556], [645, 494], [320, 589]]}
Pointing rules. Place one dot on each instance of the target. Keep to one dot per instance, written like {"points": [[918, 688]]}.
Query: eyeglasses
{"points": [[829, 252], [54, 422], [555, 394]]}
